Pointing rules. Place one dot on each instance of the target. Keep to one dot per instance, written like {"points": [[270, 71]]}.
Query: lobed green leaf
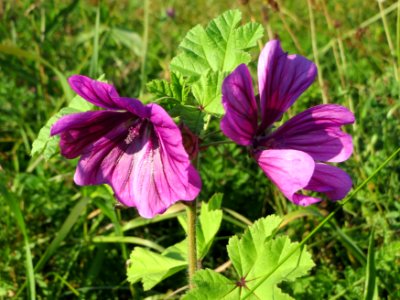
{"points": [[207, 92], [177, 89], [209, 223], [253, 256], [151, 268], [191, 116], [209, 54], [219, 47]]}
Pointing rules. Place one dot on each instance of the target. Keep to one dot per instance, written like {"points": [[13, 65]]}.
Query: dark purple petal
{"points": [[107, 153], [99, 93], [240, 120], [282, 78], [134, 106], [79, 131], [317, 132], [289, 170], [330, 180], [146, 165]]}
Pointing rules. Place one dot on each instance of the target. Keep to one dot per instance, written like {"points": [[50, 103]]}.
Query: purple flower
{"points": [[136, 149], [170, 12], [292, 156]]}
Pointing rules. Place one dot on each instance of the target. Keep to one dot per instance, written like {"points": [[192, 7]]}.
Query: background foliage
{"points": [[79, 244]]}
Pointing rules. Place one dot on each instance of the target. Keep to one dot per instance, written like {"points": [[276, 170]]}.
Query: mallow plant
{"points": [[149, 154]]}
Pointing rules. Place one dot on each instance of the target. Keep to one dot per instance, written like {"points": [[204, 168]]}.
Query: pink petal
{"points": [[146, 165], [99, 93], [282, 78], [171, 138], [289, 170], [240, 120], [317, 132], [109, 152], [305, 200], [79, 131]]}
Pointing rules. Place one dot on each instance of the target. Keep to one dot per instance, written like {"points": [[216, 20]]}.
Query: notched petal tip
{"points": [[79, 131], [282, 78], [98, 93]]}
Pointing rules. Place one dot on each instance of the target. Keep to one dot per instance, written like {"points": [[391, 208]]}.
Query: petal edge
{"points": [[282, 78], [240, 120], [289, 170]]}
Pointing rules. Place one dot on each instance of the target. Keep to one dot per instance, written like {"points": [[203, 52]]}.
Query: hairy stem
{"points": [[191, 232]]}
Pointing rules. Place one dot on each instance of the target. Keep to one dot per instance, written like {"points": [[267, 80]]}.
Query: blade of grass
{"points": [[93, 69], [280, 10], [60, 236], [323, 222], [139, 222], [398, 34], [364, 24], [298, 214], [238, 216], [73, 257], [350, 244], [96, 265], [13, 203], [129, 240], [370, 290], [389, 40], [111, 214], [143, 74], [97, 289], [64, 282], [345, 291], [315, 52], [23, 54], [397, 50], [63, 232], [335, 50], [234, 221], [61, 15]]}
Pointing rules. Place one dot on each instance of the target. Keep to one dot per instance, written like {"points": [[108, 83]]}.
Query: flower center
{"points": [[261, 143], [133, 131], [241, 282]]}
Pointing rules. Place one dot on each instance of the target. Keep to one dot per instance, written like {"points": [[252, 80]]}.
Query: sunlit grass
{"points": [[43, 43]]}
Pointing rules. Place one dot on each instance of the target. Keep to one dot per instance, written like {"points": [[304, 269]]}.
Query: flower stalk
{"points": [[192, 248]]}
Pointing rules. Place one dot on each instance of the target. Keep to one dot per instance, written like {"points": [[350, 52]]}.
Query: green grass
{"points": [[63, 241]]}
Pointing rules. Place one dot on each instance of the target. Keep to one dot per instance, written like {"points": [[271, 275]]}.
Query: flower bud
{"points": [[190, 141]]}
